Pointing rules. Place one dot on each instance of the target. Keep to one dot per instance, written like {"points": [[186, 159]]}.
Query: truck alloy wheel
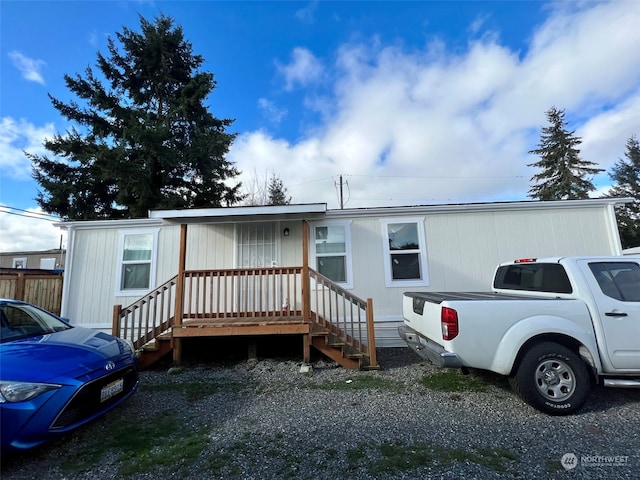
{"points": [[552, 378]]}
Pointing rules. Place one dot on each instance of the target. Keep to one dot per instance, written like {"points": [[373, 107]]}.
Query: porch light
{"points": [[285, 232]]}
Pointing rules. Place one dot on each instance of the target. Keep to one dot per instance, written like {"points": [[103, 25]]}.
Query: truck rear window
{"points": [[536, 277]]}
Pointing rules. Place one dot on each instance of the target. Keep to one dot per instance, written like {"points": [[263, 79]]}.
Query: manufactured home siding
{"points": [[464, 248], [168, 256], [91, 282], [291, 245], [210, 246]]}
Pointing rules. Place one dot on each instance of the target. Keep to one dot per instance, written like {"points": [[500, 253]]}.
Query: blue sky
{"points": [[411, 102]]}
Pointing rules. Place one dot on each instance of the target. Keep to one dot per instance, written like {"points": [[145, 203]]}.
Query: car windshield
{"points": [[23, 321]]}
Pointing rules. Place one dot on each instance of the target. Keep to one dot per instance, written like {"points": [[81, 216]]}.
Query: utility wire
{"points": [[33, 215], [434, 176]]}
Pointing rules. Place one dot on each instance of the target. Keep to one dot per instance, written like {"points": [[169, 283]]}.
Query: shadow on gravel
{"points": [[603, 399]]}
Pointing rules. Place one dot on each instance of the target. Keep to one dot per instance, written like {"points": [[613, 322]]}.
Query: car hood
{"points": [[69, 353]]}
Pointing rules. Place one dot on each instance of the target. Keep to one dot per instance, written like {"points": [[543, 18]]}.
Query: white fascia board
{"points": [[478, 207], [91, 224], [228, 213]]}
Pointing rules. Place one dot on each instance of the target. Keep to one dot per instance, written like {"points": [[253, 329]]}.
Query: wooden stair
{"points": [[153, 351], [338, 350]]}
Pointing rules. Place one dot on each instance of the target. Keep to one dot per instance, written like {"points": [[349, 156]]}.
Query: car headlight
{"points": [[23, 391], [127, 344]]}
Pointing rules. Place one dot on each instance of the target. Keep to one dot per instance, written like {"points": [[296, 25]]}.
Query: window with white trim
{"points": [[405, 252], [136, 262], [331, 251], [20, 262]]}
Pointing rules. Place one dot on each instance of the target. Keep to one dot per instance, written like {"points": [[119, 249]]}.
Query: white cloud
{"points": [[304, 69], [28, 67], [22, 231], [431, 126], [306, 14], [27, 231], [271, 111], [17, 136]]}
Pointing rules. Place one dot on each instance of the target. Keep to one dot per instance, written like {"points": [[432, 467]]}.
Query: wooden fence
{"points": [[43, 290]]}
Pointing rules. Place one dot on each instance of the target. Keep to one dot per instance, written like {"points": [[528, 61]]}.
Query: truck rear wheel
{"points": [[552, 378]]}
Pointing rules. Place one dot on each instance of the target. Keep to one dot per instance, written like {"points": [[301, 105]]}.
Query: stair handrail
{"points": [[352, 333], [146, 318]]}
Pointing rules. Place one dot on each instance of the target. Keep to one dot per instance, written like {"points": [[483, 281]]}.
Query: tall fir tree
{"points": [[563, 173], [277, 192], [143, 138], [626, 175]]}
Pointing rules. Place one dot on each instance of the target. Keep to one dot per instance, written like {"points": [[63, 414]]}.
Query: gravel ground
{"points": [[265, 419]]}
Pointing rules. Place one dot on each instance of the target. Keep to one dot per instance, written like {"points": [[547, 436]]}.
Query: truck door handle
{"points": [[615, 314]]}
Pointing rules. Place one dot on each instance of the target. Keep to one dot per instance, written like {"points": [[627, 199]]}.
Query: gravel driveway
{"points": [[266, 420]]}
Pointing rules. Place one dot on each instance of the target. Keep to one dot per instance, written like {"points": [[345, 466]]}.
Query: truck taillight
{"points": [[449, 321]]}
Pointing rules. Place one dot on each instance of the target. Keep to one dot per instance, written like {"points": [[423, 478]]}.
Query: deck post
{"points": [[177, 342], [115, 321], [306, 348], [306, 293], [371, 335], [306, 279]]}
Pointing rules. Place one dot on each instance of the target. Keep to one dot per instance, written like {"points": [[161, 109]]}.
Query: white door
{"points": [[258, 246], [616, 288]]}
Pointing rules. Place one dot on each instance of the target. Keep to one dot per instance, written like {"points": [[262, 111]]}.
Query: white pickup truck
{"points": [[554, 326]]}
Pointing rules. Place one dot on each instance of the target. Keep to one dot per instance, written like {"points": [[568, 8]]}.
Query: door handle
{"points": [[615, 314]]}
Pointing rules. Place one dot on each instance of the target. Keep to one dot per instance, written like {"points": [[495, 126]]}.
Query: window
{"points": [[538, 277], [405, 252], [136, 269], [618, 280], [331, 251], [23, 321], [47, 263], [20, 262]]}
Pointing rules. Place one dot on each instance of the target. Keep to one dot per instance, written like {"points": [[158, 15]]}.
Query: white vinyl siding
{"points": [[405, 252]]}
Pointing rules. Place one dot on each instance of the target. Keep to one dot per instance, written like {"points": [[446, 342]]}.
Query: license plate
{"points": [[111, 390]]}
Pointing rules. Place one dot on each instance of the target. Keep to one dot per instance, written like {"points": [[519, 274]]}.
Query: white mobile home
{"points": [[229, 267]]}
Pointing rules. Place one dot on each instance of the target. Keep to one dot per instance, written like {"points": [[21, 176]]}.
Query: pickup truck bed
{"points": [[439, 297]]}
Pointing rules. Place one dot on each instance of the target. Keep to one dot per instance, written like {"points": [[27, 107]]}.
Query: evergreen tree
{"points": [[563, 175], [626, 175], [145, 140], [277, 192]]}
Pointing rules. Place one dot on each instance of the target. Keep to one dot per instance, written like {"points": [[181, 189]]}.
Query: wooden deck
{"points": [[252, 302], [261, 324]]}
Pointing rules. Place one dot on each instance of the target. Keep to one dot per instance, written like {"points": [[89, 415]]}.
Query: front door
{"points": [[258, 247], [616, 288]]}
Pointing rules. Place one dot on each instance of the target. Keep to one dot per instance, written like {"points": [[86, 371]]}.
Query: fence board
{"points": [[42, 290]]}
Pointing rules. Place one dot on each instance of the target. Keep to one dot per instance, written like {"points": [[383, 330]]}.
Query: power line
{"points": [[435, 176], [32, 215], [29, 211]]}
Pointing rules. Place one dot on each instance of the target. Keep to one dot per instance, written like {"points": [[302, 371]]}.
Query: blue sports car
{"points": [[55, 377]]}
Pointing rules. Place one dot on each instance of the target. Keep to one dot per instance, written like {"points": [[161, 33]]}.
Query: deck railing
{"points": [[242, 292], [251, 293], [347, 316], [145, 319]]}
